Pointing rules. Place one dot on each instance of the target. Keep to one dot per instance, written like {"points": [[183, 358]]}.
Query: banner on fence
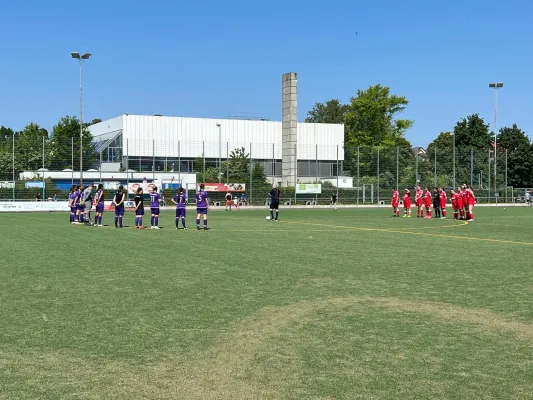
{"points": [[34, 184], [111, 185], [19, 206], [308, 188], [7, 185], [170, 185], [224, 187], [146, 187]]}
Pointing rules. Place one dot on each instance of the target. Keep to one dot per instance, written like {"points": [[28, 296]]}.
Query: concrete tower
{"points": [[289, 111]]}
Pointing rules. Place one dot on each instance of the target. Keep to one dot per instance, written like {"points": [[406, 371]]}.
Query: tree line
{"points": [[372, 124]]}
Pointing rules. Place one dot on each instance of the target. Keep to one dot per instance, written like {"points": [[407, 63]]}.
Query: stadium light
{"points": [[495, 86], [81, 58]]}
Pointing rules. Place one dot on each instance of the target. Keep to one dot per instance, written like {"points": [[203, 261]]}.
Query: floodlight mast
{"points": [[495, 86], [80, 59]]}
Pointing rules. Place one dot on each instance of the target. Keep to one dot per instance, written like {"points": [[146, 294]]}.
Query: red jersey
{"points": [[418, 196], [407, 200], [454, 199], [460, 197], [471, 197], [395, 197], [427, 198], [442, 197]]}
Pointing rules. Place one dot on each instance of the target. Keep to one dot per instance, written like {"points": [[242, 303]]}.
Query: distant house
{"points": [[420, 152]]}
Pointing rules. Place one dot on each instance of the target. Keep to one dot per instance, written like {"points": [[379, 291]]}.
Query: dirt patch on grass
{"points": [[231, 369]]}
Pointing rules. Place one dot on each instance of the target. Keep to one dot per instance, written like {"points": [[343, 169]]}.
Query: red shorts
{"points": [[442, 205], [428, 203], [407, 204], [460, 203], [454, 205], [419, 203], [394, 205], [471, 202]]}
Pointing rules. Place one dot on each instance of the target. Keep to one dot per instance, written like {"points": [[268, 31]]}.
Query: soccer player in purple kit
{"points": [[139, 208], [71, 204], [180, 199], [81, 205], [99, 201], [202, 201], [154, 208], [77, 194], [119, 198]]}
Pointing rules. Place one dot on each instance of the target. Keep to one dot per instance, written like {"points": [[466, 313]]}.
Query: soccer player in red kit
{"points": [[395, 203], [427, 202], [442, 198], [460, 206], [465, 202], [454, 196], [407, 204], [471, 203], [418, 202]]}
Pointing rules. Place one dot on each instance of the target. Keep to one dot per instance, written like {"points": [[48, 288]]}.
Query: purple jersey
{"points": [[201, 199], [77, 195], [100, 196], [181, 200], [154, 199]]}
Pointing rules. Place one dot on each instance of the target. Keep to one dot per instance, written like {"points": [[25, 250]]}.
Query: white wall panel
{"points": [[189, 137]]}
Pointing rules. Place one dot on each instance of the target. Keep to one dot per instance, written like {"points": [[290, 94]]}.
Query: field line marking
{"points": [[416, 233]]}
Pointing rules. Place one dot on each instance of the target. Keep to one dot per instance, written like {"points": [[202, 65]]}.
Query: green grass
{"points": [[347, 304]]}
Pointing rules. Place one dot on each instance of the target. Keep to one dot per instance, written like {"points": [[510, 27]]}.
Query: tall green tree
{"points": [[6, 153], [330, 112], [65, 134], [29, 148], [371, 119], [514, 142], [472, 132]]}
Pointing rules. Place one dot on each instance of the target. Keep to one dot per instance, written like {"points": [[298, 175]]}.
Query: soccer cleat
{"points": [[404, 216], [197, 228], [152, 227], [156, 227], [206, 228], [185, 229]]}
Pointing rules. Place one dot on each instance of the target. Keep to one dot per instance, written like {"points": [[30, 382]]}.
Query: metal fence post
{"points": [[435, 166], [227, 162], [251, 173], [397, 166], [153, 160], [44, 193], [14, 184], [72, 154], [337, 194], [378, 175], [488, 180], [273, 164], [506, 176], [471, 167], [100, 165], [179, 163], [203, 161], [127, 168], [358, 182], [454, 186]]}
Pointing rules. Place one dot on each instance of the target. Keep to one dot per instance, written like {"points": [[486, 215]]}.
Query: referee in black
{"points": [[274, 202]]}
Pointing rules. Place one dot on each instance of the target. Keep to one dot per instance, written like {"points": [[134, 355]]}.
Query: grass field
{"points": [[347, 304]]}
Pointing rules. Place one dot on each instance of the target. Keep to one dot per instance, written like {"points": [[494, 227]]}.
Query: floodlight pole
{"points": [[219, 153], [495, 86], [80, 59]]}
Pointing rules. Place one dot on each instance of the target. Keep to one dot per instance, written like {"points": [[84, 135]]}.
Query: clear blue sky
{"points": [[213, 58]]}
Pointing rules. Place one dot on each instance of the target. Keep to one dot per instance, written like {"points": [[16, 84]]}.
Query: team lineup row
{"points": [[81, 201], [463, 202]]}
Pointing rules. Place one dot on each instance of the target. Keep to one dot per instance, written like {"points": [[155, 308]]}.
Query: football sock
{"points": [[120, 221], [277, 213], [183, 222], [472, 216], [198, 222], [152, 220], [156, 220], [271, 214], [177, 222], [205, 223], [444, 213], [116, 222]]}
